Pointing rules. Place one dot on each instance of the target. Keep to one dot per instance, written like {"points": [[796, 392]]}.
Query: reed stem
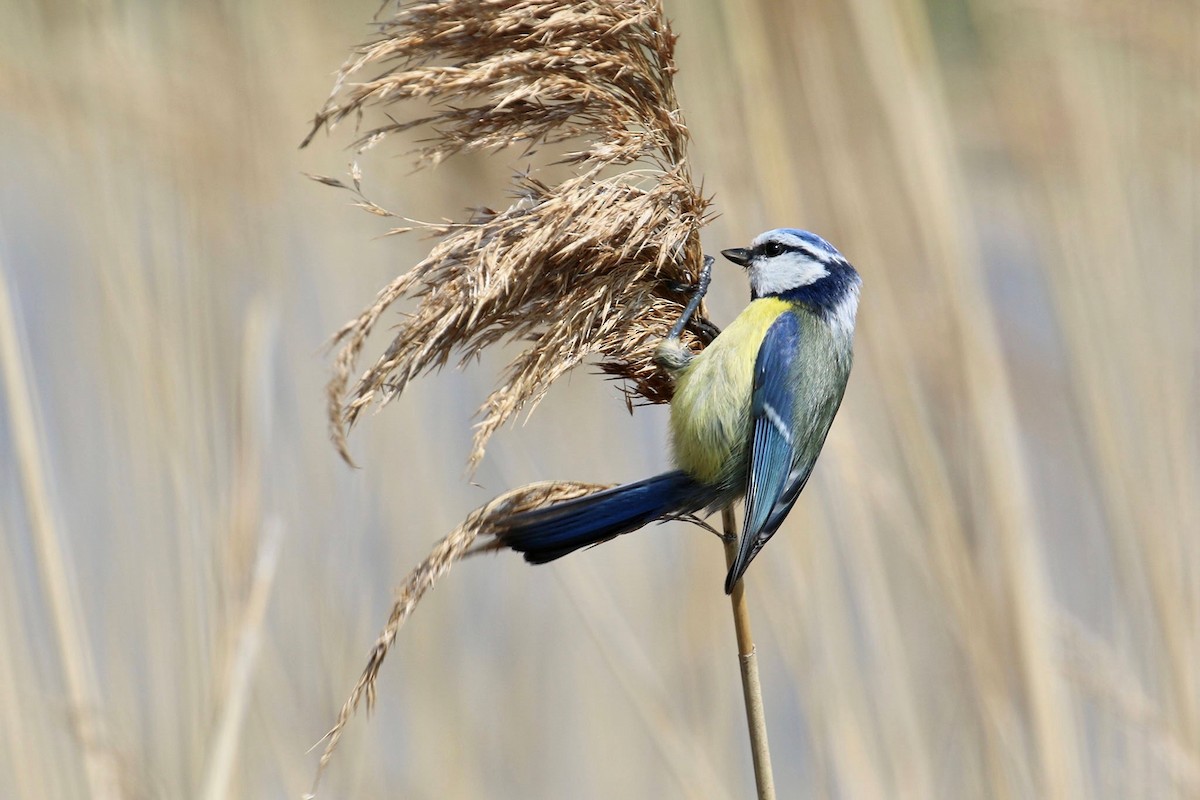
{"points": [[748, 660]]}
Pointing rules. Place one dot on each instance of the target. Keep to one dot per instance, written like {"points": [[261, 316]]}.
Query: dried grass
{"points": [[460, 542], [588, 268], [591, 267], [151, 201]]}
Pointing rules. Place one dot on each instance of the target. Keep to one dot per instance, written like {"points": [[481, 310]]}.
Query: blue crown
{"points": [[811, 238]]}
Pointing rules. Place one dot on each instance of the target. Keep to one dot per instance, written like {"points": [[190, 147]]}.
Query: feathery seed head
{"points": [[576, 271]]}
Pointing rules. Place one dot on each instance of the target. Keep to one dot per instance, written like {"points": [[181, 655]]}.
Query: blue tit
{"points": [[750, 411]]}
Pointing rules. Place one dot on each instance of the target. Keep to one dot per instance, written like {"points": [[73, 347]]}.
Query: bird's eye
{"points": [[772, 249]]}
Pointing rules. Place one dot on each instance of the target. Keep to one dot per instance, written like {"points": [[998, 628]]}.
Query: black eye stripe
{"points": [[773, 249]]}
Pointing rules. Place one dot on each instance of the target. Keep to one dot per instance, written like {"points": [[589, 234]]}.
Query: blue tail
{"points": [[545, 534]]}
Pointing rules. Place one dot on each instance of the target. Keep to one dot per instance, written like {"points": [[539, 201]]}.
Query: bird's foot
{"points": [[699, 290]]}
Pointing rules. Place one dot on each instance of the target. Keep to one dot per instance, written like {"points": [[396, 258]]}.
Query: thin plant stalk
{"points": [[756, 718], [53, 558]]}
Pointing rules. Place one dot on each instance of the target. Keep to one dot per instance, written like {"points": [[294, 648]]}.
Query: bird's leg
{"points": [[670, 354], [697, 298]]}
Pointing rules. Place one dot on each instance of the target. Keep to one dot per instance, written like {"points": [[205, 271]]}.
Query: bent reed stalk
{"points": [[590, 269]]}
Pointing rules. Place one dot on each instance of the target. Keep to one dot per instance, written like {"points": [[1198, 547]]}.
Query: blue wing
{"points": [[772, 487]]}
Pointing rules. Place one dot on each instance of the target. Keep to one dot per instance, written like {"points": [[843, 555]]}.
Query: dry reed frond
{"points": [[459, 543], [586, 268]]}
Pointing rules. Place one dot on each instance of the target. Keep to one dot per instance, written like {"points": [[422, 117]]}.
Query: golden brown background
{"points": [[990, 589]]}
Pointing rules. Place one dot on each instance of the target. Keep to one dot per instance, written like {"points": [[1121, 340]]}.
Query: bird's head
{"points": [[786, 259]]}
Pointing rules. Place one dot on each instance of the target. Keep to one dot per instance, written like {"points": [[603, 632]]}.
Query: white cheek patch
{"points": [[783, 273]]}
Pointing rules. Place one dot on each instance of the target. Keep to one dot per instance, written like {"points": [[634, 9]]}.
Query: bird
{"points": [[750, 411]]}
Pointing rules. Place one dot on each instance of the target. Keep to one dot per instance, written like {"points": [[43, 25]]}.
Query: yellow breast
{"points": [[710, 414]]}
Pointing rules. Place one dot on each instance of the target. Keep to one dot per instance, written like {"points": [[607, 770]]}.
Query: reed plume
{"points": [[589, 268], [459, 543], [595, 267]]}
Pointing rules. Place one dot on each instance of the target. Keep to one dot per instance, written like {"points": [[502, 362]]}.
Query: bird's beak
{"points": [[738, 255]]}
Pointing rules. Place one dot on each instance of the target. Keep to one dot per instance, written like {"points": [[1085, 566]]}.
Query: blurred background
{"points": [[991, 587]]}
